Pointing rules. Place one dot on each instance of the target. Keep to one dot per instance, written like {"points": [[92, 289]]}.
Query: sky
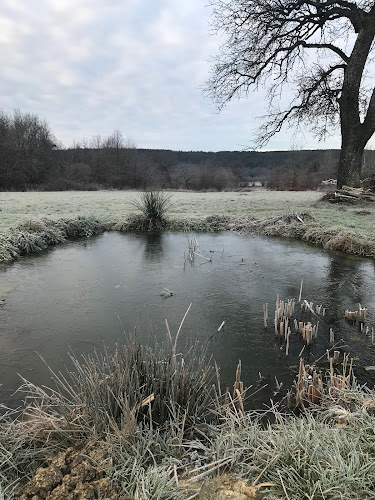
{"points": [[91, 67]]}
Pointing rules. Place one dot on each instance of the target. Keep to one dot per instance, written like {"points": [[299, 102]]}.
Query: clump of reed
{"points": [[143, 403], [153, 206], [118, 390], [325, 452]]}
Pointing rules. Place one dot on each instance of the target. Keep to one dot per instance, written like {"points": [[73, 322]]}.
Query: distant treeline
{"points": [[30, 158]]}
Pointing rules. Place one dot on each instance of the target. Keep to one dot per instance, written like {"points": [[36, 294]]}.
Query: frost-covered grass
{"points": [[166, 433], [350, 228], [109, 205], [32, 236]]}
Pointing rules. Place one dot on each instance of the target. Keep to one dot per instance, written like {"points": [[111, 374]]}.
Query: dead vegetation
{"points": [[73, 474]]}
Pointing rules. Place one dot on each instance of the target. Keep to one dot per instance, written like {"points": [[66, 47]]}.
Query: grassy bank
{"points": [[348, 228], [142, 423]]}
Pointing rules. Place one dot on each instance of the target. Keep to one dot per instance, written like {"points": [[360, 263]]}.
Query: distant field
{"points": [[15, 207], [112, 205]]}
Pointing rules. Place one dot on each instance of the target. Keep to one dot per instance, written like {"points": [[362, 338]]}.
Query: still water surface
{"points": [[88, 293]]}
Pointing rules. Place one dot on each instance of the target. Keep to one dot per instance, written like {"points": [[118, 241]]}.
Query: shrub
{"points": [[154, 206], [113, 392]]}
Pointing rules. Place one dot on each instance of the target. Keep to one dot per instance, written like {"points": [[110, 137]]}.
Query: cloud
{"points": [[92, 67]]}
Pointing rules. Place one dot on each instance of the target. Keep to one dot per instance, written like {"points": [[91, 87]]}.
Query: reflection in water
{"points": [[86, 294], [153, 247]]}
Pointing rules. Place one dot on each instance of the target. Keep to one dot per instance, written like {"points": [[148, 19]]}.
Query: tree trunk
{"points": [[350, 162], [355, 133]]}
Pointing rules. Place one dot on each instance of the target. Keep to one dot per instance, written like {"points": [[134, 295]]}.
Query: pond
{"points": [[87, 294]]}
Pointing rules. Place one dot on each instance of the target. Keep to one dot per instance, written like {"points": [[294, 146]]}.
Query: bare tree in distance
{"points": [[322, 47]]}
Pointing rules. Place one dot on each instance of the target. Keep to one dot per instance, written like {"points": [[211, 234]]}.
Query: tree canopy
{"points": [[319, 48]]}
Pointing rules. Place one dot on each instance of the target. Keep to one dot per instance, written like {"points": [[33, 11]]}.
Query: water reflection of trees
{"points": [[153, 247], [345, 279]]}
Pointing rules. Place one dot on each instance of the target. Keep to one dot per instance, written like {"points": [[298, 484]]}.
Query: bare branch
{"points": [[329, 46]]}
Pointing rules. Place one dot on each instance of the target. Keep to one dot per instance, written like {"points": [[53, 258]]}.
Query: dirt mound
{"points": [[72, 475]]}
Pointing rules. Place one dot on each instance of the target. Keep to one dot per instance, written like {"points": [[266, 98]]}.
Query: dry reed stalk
{"points": [[336, 356], [344, 364], [300, 292], [169, 332], [350, 372], [317, 384], [192, 246], [146, 401], [331, 372], [304, 332], [309, 334], [361, 313], [202, 256], [221, 326], [320, 310], [218, 379], [300, 385], [177, 335], [311, 395], [287, 343], [286, 331], [281, 328], [286, 325], [331, 336], [226, 397], [290, 307], [238, 392], [351, 315], [329, 350], [265, 314], [209, 468]]}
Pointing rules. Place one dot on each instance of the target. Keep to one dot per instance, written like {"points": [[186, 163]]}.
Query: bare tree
{"points": [[323, 47], [26, 149]]}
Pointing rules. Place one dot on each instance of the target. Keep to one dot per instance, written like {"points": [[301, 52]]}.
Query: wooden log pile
{"points": [[351, 195]]}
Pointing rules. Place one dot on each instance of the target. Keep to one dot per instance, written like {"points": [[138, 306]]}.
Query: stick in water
{"points": [[221, 326], [300, 291]]}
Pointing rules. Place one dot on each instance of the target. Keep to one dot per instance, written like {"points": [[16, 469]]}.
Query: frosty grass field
{"points": [[354, 221]]}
